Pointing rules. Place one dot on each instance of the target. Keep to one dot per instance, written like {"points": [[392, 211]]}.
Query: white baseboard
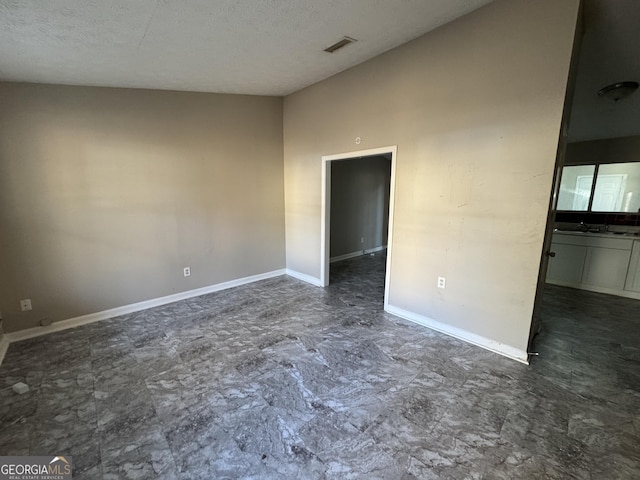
{"points": [[304, 277], [375, 249], [592, 288], [134, 307], [358, 253], [4, 344], [480, 341], [346, 256]]}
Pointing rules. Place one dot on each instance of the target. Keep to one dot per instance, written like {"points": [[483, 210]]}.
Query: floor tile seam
{"points": [[164, 309], [487, 409], [327, 455], [549, 408], [594, 450], [246, 331], [153, 400], [390, 410], [617, 409], [166, 425], [622, 432], [307, 422], [131, 338], [100, 429], [14, 422], [534, 390], [429, 432], [176, 469], [406, 386], [542, 436]]}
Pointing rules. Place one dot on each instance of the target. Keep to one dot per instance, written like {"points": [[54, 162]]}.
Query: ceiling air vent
{"points": [[339, 44]]}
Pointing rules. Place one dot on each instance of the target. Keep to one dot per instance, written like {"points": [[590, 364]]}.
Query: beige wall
{"points": [[359, 204], [106, 194], [475, 109]]}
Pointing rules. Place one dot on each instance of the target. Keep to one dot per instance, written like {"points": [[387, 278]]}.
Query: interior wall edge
{"points": [[496, 347], [357, 253], [460, 156], [4, 345], [107, 194], [58, 326], [304, 277]]}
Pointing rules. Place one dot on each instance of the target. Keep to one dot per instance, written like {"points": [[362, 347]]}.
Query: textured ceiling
{"points": [[266, 47], [275, 47], [610, 53]]}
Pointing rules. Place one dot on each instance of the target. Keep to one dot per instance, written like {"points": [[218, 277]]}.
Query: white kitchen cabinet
{"points": [[598, 262], [633, 276], [606, 267], [567, 265]]}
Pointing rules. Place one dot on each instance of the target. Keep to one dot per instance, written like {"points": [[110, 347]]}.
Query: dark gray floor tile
{"points": [[281, 380]]}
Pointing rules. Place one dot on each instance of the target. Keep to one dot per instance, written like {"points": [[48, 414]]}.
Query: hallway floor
{"points": [[282, 380]]}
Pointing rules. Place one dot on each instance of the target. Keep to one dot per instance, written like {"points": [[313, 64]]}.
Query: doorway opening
{"points": [[585, 328], [365, 225]]}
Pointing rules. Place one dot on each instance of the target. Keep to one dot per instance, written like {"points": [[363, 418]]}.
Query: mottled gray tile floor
{"points": [[282, 380]]}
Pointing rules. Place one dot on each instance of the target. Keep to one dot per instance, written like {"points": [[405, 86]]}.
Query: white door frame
{"points": [[325, 236]]}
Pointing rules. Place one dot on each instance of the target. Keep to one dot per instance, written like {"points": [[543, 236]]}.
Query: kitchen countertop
{"points": [[597, 234]]}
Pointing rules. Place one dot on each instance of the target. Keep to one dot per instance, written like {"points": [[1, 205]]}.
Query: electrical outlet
{"points": [[442, 282], [187, 271], [361, 239], [25, 305]]}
